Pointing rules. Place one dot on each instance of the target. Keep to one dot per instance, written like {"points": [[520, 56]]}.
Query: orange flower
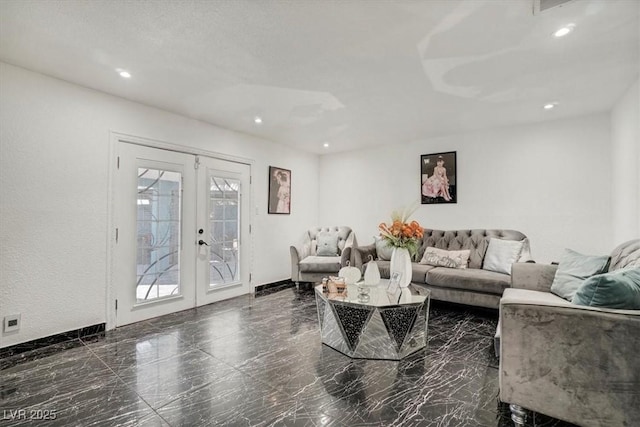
{"points": [[402, 233]]}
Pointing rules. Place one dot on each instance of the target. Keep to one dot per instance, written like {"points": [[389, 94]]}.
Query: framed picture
{"points": [[394, 282], [279, 191], [438, 178]]}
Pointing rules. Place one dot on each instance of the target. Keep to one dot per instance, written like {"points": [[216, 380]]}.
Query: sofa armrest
{"points": [[536, 277], [361, 255], [295, 260], [571, 362]]}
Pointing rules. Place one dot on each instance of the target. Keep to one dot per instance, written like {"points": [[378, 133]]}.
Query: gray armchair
{"points": [[308, 266], [575, 363]]}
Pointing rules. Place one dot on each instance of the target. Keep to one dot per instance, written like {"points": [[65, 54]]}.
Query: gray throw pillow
{"points": [[525, 254], [573, 269], [327, 244], [618, 289], [383, 249]]}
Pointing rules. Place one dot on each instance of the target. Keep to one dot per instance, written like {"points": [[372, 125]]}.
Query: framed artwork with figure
{"points": [[279, 191], [438, 182]]}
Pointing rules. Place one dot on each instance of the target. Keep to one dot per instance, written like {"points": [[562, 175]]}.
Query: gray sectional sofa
{"points": [[471, 286], [573, 362]]}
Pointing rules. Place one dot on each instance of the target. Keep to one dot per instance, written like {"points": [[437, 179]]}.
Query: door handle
{"points": [[202, 242]]}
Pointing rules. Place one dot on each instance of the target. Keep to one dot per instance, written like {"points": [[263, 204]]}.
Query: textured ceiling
{"points": [[353, 73]]}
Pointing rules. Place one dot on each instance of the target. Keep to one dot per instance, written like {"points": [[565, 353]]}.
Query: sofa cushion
{"points": [[471, 279], [442, 258], [418, 271], [320, 264], [618, 289], [384, 268], [501, 254], [527, 296], [383, 248], [327, 244], [573, 269]]}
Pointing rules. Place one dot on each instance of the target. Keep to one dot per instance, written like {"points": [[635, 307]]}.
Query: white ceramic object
{"points": [[351, 274], [372, 273], [401, 262]]}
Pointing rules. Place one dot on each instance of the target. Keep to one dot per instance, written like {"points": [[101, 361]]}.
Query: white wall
{"points": [[551, 181], [625, 152], [54, 147]]}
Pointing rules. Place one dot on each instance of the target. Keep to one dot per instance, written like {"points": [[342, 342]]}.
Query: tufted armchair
{"points": [[308, 264]]}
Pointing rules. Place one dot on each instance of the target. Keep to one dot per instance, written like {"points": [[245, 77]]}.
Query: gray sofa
{"points": [[575, 363], [307, 266], [471, 286]]}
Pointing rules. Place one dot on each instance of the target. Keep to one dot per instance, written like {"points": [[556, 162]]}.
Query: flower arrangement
{"points": [[401, 233]]}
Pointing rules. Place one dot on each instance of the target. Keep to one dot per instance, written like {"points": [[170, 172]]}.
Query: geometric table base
{"points": [[364, 331]]}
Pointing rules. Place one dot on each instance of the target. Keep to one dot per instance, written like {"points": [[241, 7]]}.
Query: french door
{"points": [[182, 236], [223, 229]]}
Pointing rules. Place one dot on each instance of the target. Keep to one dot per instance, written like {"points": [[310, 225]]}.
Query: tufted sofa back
{"points": [[476, 241], [626, 255], [345, 237]]}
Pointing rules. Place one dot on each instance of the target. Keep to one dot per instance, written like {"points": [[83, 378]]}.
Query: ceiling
{"points": [[350, 73]]}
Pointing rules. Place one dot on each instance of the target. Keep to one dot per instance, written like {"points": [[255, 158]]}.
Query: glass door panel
{"points": [[224, 220], [155, 249], [158, 234]]}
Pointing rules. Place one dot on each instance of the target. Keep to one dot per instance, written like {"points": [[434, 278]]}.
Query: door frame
{"points": [[114, 139]]}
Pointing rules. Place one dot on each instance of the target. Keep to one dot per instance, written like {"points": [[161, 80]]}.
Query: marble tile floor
{"points": [[258, 361]]}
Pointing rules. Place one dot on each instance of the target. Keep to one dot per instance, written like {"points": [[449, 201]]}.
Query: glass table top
{"points": [[377, 295]]}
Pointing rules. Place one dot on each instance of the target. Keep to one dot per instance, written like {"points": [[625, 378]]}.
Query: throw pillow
{"points": [[501, 254], [383, 249], [525, 255], [573, 269], [442, 258], [327, 244], [617, 289]]}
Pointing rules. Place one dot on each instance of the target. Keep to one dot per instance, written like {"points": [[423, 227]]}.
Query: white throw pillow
{"points": [[501, 254], [442, 258]]}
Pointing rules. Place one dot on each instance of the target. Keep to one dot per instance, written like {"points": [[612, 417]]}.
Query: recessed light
{"points": [[550, 106], [125, 74], [564, 30], [325, 145], [257, 120]]}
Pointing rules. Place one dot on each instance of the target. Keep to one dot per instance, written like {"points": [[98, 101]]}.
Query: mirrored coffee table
{"points": [[382, 326]]}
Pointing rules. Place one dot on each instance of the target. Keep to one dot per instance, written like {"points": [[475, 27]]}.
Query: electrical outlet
{"points": [[12, 323]]}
